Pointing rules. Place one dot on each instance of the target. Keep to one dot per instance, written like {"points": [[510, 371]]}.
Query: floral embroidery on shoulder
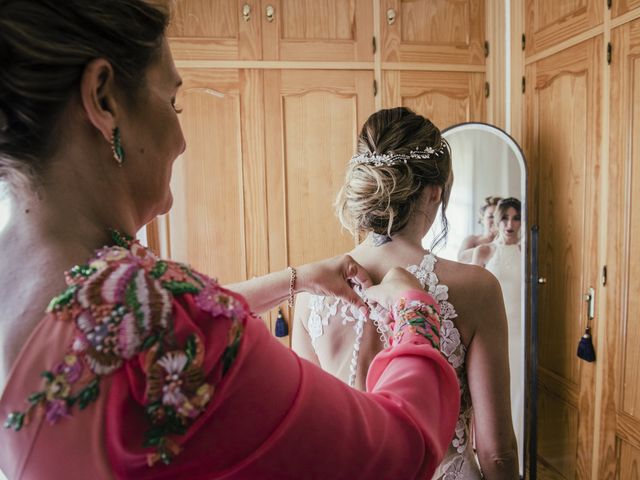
{"points": [[121, 304]]}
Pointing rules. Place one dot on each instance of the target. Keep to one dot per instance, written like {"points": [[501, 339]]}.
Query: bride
{"points": [[503, 258], [394, 186]]}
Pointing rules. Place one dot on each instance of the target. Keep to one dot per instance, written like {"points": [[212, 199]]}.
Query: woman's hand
{"points": [[395, 282], [334, 277]]}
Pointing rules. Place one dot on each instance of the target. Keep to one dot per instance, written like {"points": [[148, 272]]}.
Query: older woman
{"points": [[141, 367]]}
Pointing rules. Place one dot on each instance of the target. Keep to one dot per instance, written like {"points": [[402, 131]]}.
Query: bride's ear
{"points": [[432, 194]]}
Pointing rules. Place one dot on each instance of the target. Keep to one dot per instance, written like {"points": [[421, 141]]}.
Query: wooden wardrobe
{"points": [[275, 92]]}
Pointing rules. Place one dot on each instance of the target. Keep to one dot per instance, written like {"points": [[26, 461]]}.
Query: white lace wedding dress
{"points": [[346, 342], [506, 265]]}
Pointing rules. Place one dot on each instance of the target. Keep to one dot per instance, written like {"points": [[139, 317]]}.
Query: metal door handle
{"points": [[590, 298], [542, 280], [270, 12], [246, 12], [391, 16]]}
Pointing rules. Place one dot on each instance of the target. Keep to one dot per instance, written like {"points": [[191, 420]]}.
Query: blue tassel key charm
{"points": [[282, 329], [585, 347]]}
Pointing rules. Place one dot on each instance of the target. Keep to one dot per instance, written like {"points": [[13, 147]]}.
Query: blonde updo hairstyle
{"points": [[383, 199]]}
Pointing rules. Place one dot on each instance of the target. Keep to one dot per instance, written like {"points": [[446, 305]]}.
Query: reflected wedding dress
{"points": [[345, 341], [506, 265]]}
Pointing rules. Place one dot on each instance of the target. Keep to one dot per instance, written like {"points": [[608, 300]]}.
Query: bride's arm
{"points": [[487, 366]]}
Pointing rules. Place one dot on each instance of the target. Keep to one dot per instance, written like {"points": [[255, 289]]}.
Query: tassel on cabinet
{"points": [[282, 329], [585, 347]]}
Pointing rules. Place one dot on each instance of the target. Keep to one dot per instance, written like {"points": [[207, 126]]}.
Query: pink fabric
{"points": [[272, 416]]}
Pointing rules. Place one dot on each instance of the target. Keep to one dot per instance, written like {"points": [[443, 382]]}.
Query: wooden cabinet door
{"points": [[549, 22], [318, 30], [434, 31], [620, 7], [446, 98], [620, 450], [218, 220], [312, 122], [562, 141], [215, 30]]}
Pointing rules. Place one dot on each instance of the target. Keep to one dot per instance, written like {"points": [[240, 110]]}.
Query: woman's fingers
{"points": [[357, 273]]}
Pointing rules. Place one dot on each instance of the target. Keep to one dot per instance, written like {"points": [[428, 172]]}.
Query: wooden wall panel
{"points": [[318, 30], [629, 465], [620, 423], [549, 22], [437, 31], [558, 434], [207, 219], [314, 119], [215, 30], [620, 7], [446, 98], [562, 141]]}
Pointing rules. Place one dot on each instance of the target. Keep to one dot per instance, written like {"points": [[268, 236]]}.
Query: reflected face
{"points": [[488, 220], [509, 225], [154, 138]]}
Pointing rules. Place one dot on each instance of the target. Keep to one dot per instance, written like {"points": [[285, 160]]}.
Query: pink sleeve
{"points": [[275, 416]]}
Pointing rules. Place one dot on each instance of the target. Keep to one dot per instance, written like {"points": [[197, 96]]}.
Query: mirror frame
{"points": [[530, 311]]}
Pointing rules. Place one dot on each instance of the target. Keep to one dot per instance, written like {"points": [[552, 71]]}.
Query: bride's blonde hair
{"points": [[381, 197]]}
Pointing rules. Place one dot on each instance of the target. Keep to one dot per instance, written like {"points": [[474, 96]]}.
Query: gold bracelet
{"points": [[292, 285]]}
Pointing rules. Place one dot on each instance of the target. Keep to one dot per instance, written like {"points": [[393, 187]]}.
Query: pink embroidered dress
{"points": [[143, 368]]}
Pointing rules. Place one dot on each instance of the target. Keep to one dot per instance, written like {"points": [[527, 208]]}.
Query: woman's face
{"points": [[509, 225], [487, 219], [153, 139]]}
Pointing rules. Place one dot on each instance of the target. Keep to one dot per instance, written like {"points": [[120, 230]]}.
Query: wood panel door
{"points": [[446, 98], [620, 452], [216, 30], [549, 22], [318, 30], [434, 31], [312, 122], [218, 220], [620, 7], [562, 141]]}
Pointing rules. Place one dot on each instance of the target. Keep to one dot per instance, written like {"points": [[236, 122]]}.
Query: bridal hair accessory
{"points": [[386, 159], [116, 146]]}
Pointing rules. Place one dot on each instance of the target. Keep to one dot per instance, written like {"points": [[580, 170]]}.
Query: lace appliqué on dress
{"points": [[322, 309]]}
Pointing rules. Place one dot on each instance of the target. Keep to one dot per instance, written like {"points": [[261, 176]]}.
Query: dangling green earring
{"points": [[116, 146]]}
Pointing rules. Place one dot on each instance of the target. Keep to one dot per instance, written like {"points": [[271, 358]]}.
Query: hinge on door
{"points": [[486, 49], [373, 44], [609, 3], [524, 85], [609, 50], [486, 90], [375, 88], [604, 275], [524, 41]]}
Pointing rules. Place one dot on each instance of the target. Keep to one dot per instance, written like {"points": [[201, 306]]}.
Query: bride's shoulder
{"points": [[466, 280]]}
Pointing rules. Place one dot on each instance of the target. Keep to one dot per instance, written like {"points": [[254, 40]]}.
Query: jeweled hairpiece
{"points": [[389, 159]]}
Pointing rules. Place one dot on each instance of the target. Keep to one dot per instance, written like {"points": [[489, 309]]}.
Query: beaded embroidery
{"points": [[121, 304], [416, 318]]}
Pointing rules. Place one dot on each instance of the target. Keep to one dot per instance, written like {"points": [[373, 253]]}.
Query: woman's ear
{"points": [[98, 96], [433, 194]]}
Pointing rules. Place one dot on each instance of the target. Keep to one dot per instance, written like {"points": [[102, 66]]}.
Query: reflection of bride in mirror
{"points": [[503, 258], [394, 187], [487, 210]]}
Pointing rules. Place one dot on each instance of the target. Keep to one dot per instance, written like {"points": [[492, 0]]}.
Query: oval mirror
{"points": [[490, 176]]}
